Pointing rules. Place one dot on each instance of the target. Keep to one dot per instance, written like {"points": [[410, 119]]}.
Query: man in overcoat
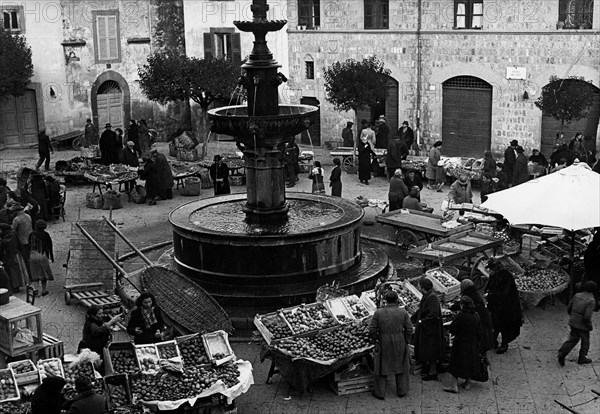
{"points": [[429, 332], [510, 157], [391, 328]]}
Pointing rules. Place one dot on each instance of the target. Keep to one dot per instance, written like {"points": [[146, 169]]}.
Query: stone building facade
{"points": [[86, 56], [465, 72]]}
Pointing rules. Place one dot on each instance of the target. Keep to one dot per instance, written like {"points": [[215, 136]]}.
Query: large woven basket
{"points": [[184, 301]]}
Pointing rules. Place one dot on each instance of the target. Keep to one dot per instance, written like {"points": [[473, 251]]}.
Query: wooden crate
{"points": [[354, 385], [31, 377], [53, 348], [218, 343], [111, 349]]}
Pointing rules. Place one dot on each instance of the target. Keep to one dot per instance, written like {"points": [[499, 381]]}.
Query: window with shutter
{"points": [[13, 19], [107, 36], [222, 43]]}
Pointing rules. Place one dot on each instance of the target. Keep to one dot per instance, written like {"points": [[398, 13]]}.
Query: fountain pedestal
{"points": [[265, 165]]}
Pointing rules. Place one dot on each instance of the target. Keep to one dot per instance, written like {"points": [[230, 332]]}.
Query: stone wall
{"points": [[515, 33]]}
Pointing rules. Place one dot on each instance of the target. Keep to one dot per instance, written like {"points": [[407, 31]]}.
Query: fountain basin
{"points": [[266, 130]]}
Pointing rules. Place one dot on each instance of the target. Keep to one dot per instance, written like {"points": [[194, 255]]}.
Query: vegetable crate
{"points": [[444, 283], [217, 347], [9, 390], [272, 326], [25, 372], [53, 347], [147, 358], [51, 367], [354, 381], [120, 350], [192, 350], [168, 350], [117, 391], [340, 311]]}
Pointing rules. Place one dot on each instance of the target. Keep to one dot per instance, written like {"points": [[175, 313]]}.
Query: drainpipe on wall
{"points": [[419, 47]]}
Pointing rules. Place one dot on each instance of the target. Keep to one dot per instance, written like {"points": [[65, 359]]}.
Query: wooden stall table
{"points": [[108, 181], [19, 317], [416, 227]]}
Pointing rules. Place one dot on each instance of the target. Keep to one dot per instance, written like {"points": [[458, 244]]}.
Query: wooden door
{"points": [[466, 117], [18, 120], [110, 110]]}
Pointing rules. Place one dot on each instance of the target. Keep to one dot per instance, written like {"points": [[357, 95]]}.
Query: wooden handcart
{"points": [[349, 157], [73, 139], [89, 294], [416, 227]]}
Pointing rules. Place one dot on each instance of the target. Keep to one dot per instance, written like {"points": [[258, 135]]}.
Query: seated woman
{"points": [[96, 332], [145, 322]]}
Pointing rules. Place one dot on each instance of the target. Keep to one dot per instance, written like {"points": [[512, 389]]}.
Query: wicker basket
{"points": [[184, 301], [94, 200], [237, 180]]}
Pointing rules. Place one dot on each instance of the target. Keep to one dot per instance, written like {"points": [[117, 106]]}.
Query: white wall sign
{"points": [[514, 72]]}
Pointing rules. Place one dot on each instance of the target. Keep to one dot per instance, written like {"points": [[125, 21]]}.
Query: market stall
{"points": [[109, 175], [416, 227]]}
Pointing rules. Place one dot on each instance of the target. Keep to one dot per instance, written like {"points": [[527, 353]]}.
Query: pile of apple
{"points": [[50, 368], [167, 351], [309, 318], [169, 387], [23, 367], [192, 352], [443, 278], [8, 388], [123, 361], [356, 307], [328, 345], [14, 407], [148, 358], [277, 326], [539, 280], [81, 370]]}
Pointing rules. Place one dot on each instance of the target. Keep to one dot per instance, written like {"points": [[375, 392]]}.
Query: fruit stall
{"points": [[199, 371], [311, 341]]}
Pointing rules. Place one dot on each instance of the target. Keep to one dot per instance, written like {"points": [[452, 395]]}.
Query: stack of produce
{"points": [[192, 351], [14, 407], [539, 280], [123, 361], [356, 307], [147, 358], [325, 346], [308, 318], [277, 327], [84, 369], [170, 387], [8, 386], [50, 368]]}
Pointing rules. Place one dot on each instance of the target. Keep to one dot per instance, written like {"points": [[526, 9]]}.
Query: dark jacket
{"points": [[136, 320], [395, 154], [95, 336], [129, 156], [397, 192], [504, 305], [414, 182], [348, 137], [382, 136], [150, 174], [486, 339], [539, 159], [220, 171], [391, 328], [429, 334], [464, 357], [165, 174], [510, 157], [591, 259], [407, 137], [109, 150], [520, 172], [44, 144], [47, 398], [88, 403], [364, 160], [335, 181], [581, 308], [489, 166]]}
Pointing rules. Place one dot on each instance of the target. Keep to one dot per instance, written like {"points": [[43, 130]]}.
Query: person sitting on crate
{"points": [[48, 397], [87, 401], [146, 324], [391, 329], [96, 331]]}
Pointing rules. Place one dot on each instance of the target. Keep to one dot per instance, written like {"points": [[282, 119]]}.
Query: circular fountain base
{"points": [[274, 264]]}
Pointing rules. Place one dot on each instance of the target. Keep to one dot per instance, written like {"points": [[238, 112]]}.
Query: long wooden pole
{"points": [[129, 243]]}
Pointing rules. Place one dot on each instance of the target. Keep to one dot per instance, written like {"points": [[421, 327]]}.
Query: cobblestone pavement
{"points": [[525, 380]]}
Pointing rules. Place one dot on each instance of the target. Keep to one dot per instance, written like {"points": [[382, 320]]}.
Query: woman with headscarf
{"points": [[397, 192], [464, 357], [434, 173], [504, 305], [96, 331], [10, 255], [48, 397], [40, 244], [316, 175], [365, 151], [429, 332], [146, 323], [467, 288], [150, 174], [39, 191]]}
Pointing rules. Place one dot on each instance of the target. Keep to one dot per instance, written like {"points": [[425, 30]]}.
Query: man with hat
{"points": [[109, 150], [129, 157], [348, 135], [219, 173], [407, 135], [22, 227], [391, 328], [520, 170], [510, 157], [460, 191], [90, 133], [44, 149], [383, 133]]}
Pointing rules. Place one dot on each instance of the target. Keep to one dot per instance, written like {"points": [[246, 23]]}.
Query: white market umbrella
{"points": [[569, 198]]}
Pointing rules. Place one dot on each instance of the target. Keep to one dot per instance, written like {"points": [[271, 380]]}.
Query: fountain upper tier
{"points": [[267, 130]]}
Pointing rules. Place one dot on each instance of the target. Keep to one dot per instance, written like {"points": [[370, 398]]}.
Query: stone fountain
{"points": [[269, 249]]}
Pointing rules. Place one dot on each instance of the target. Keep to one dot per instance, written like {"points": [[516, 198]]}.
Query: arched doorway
{"points": [[388, 106], [111, 100], [314, 130], [466, 116], [587, 126]]}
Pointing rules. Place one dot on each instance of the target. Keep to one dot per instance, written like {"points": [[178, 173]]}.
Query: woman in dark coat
{"points": [[429, 332], [39, 192], [335, 180], [489, 163], [146, 322], [150, 174], [364, 160], [165, 175], [397, 192], [464, 357], [391, 328], [219, 173], [96, 332], [521, 172], [10, 255], [467, 288], [109, 151], [504, 305], [48, 397]]}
